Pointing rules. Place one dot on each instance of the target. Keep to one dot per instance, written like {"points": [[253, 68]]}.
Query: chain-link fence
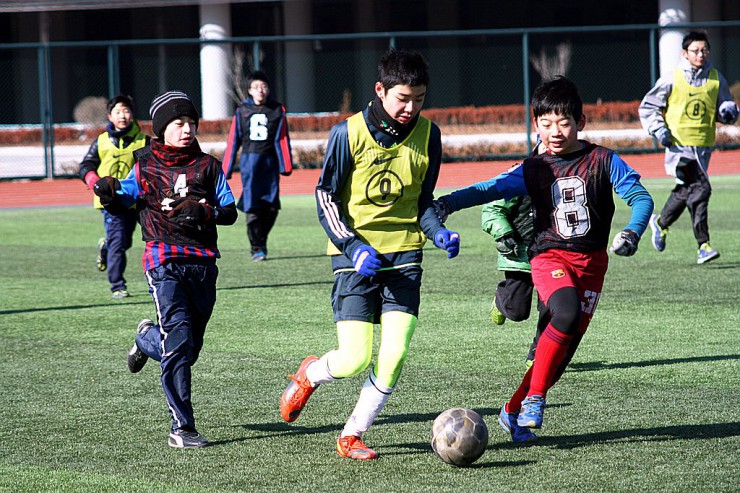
{"points": [[52, 97]]}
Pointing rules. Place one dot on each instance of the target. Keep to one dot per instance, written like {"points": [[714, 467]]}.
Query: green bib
{"points": [[381, 196], [691, 111], [118, 161]]}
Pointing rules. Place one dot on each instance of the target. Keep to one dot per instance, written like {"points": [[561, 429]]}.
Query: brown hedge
{"points": [[513, 114]]}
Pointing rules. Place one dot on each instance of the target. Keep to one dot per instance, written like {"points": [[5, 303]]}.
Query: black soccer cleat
{"points": [[136, 357], [186, 439]]}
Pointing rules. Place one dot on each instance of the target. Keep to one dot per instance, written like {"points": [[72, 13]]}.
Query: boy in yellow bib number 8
{"points": [[681, 111]]}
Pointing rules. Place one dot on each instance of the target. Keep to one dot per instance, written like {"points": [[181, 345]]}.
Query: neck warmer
{"points": [[118, 133], [175, 156], [383, 121]]}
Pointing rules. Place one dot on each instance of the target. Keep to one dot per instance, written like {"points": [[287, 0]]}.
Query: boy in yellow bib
{"points": [[112, 154], [681, 112], [375, 202]]}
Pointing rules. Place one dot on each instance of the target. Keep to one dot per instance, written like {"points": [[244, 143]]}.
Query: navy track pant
{"points": [[184, 295]]}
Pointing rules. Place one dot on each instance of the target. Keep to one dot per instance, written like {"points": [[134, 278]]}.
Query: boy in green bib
{"points": [[375, 202], [681, 112], [112, 154]]}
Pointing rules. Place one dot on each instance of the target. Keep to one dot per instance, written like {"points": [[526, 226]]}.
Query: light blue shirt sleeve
{"points": [[627, 186], [130, 190], [223, 191], [507, 185]]}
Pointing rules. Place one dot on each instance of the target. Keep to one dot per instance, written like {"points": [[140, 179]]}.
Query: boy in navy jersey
{"points": [[570, 186], [260, 128], [375, 202], [182, 195]]}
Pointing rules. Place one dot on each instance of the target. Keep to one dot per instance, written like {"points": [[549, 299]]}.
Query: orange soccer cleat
{"points": [[352, 447], [297, 392]]}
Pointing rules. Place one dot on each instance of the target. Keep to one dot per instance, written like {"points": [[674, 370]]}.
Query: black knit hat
{"points": [[168, 106]]}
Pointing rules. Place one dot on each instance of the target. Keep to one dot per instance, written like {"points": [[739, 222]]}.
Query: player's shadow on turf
{"points": [[278, 428], [601, 365], [723, 266], [490, 415], [426, 448], [657, 434], [76, 307], [293, 257], [281, 285]]}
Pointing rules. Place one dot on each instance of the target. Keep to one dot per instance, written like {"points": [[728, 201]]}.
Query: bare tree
{"points": [[238, 90], [550, 66]]}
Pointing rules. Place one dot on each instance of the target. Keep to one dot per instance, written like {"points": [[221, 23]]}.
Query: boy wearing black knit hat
{"points": [[182, 195]]}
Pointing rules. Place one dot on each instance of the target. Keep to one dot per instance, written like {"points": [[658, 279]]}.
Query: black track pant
{"points": [[693, 194]]}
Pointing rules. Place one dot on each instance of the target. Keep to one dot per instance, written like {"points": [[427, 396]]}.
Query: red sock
{"points": [[515, 404], [551, 350]]}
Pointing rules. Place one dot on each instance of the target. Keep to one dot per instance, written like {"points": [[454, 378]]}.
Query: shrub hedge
{"points": [[618, 111]]}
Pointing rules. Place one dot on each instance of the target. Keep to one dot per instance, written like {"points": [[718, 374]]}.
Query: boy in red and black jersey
{"points": [[182, 195], [571, 186]]}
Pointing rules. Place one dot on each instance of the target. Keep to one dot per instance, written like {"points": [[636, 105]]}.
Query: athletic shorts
{"points": [[556, 269], [356, 297]]}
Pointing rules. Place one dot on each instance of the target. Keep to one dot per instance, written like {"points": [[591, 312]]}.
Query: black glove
{"points": [[442, 208], [105, 188], [625, 243], [506, 245], [190, 214], [665, 137]]}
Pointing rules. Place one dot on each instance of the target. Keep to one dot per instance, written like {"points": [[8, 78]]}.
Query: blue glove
{"points": [[448, 240], [728, 112], [664, 137], [625, 243], [365, 260]]}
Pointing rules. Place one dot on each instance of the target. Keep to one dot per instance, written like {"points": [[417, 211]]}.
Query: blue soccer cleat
{"points": [[519, 434], [706, 253], [533, 408], [659, 234]]}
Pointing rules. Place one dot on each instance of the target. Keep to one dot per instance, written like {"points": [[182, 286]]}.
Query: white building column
{"points": [[299, 84], [669, 46], [215, 62]]}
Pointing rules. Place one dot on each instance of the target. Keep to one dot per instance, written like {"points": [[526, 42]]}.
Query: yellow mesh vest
{"points": [[690, 112], [381, 197], [117, 161]]}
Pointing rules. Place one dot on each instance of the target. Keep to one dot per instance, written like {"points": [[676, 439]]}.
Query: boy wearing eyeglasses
{"points": [[260, 129], [681, 112]]}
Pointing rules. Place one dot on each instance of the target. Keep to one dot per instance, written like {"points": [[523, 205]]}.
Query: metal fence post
{"points": [[525, 80], [47, 130], [114, 71], [256, 55]]}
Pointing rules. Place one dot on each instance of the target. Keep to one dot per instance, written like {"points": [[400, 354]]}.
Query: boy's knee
{"points": [[344, 363], [517, 313]]}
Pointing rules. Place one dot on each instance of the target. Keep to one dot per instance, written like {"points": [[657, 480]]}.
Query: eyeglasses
{"points": [[703, 51]]}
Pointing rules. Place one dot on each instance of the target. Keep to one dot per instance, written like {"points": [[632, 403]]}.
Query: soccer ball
{"points": [[459, 436]]}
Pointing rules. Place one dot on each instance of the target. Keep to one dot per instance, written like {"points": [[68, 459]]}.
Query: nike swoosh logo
{"points": [[379, 160], [691, 95]]}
